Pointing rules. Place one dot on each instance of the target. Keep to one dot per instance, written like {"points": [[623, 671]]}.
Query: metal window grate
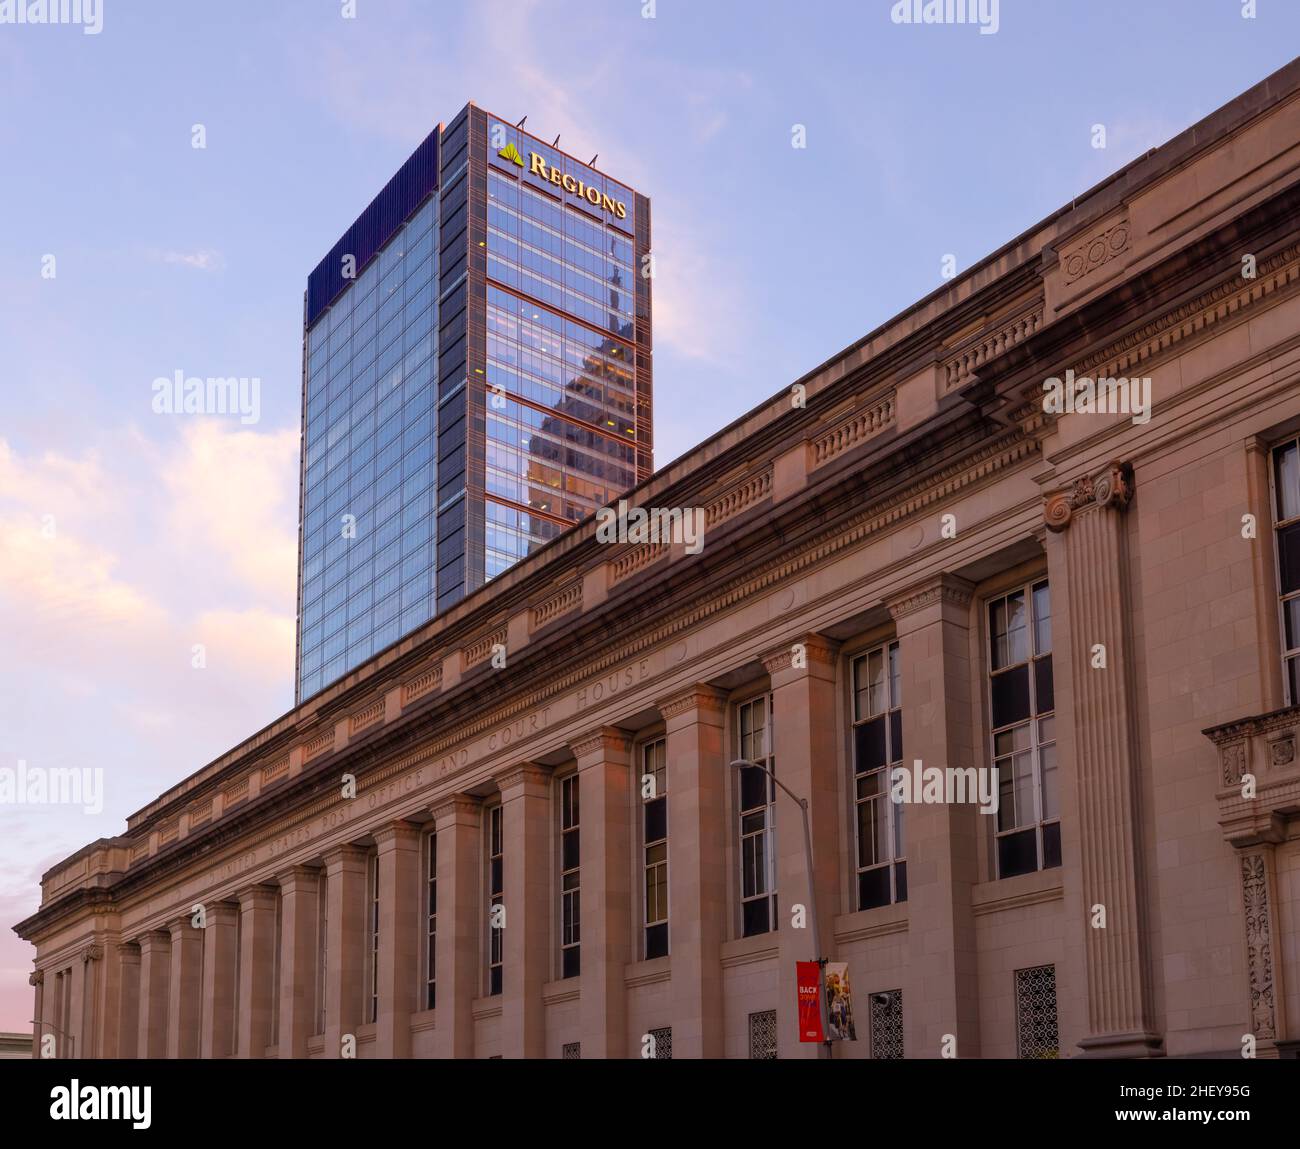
{"points": [[1037, 1035], [762, 1035], [572, 1051], [663, 1043], [886, 1015]]}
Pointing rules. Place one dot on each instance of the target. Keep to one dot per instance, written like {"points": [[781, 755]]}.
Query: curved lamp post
{"points": [[739, 764]]}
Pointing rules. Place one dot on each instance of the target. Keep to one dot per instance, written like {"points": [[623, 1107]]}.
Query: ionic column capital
{"points": [[92, 952], [1112, 488], [36, 977]]}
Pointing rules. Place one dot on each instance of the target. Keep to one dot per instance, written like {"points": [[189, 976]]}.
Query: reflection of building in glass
{"points": [[475, 382]]}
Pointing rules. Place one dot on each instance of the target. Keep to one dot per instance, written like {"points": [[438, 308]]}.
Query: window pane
{"points": [[1042, 620], [895, 676], [656, 820], [1010, 691], [873, 888], [1017, 854], [869, 746], [1288, 481], [1044, 694], [1288, 557], [1291, 618], [1051, 845]]}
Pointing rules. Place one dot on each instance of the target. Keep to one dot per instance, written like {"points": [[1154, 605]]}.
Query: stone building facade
{"points": [[518, 832]]}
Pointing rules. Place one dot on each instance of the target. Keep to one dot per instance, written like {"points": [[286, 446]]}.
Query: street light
{"points": [[741, 763]]}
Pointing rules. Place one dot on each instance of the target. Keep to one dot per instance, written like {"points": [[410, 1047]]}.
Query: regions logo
{"points": [[511, 153]]}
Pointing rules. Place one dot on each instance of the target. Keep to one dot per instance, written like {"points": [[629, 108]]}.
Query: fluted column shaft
{"points": [[458, 823], [257, 973], [399, 936]]}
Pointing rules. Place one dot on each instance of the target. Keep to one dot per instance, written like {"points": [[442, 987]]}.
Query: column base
{"points": [[1113, 1045]]}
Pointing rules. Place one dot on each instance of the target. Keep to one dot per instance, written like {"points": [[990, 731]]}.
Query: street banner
{"points": [[839, 1003], [808, 975]]}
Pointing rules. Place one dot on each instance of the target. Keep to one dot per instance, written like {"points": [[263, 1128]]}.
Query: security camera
{"points": [[881, 998]]}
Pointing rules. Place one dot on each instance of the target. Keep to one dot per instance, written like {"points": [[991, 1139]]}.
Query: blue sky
{"points": [[169, 532]]}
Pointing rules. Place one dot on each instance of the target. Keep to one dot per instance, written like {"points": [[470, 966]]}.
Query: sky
{"points": [[129, 537]]}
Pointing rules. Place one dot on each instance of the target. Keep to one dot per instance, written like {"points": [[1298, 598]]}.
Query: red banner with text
{"points": [[808, 974]]}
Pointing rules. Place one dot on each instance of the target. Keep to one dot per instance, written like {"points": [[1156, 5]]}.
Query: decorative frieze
{"points": [[275, 770], [753, 490], [637, 559], [566, 599], [1095, 251], [959, 369], [860, 427], [1259, 944], [422, 684], [319, 745], [480, 650], [237, 793], [372, 715]]}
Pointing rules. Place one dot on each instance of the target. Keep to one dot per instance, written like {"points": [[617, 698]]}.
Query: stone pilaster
{"points": [[1264, 962], [696, 758], [185, 989], [804, 733], [36, 979], [220, 974], [125, 1009], [458, 823], [399, 935], [346, 869], [605, 871], [257, 972], [155, 993], [1098, 748], [529, 907], [299, 946], [941, 841]]}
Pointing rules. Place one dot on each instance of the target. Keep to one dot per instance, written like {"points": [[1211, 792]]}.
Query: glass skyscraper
{"points": [[476, 379]]}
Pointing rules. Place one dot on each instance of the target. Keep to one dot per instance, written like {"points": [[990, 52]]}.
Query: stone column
{"points": [[696, 759], [36, 979], [155, 995], [346, 869], [185, 989], [1098, 749], [804, 744], [941, 841], [128, 1000], [605, 871], [526, 825], [458, 822], [53, 1024], [76, 1020], [299, 946], [257, 973], [220, 973], [400, 915]]}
